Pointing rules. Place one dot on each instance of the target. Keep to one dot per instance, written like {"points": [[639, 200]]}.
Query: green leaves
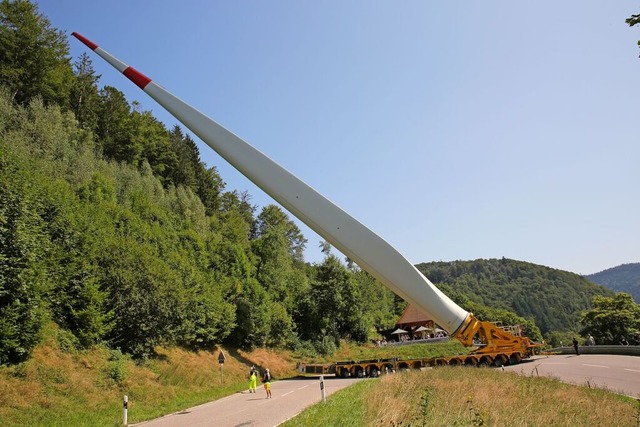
{"points": [[633, 20], [33, 55], [22, 276], [612, 318]]}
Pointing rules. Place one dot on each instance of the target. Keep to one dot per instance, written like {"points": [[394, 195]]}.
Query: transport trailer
{"points": [[373, 368]]}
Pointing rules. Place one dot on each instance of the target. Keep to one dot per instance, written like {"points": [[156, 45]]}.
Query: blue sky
{"points": [[454, 131]]}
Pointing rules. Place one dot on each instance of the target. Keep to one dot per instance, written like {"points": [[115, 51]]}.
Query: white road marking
{"points": [[632, 370], [551, 363], [304, 386], [287, 393], [595, 366]]}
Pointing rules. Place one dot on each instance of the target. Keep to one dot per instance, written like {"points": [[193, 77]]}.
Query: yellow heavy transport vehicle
{"points": [[345, 233], [491, 345]]}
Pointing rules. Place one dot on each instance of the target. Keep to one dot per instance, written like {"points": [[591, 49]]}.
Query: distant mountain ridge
{"points": [[623, 278], [553, 298]]}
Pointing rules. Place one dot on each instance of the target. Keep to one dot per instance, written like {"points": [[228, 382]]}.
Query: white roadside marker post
{"points": [[324, 400], [221, 360], [125, 408]]}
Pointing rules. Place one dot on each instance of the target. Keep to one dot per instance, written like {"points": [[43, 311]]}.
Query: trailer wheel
{"points": [[359, 373], [484, 363], [344, 373], [515, 359], [498, 362], [375, 373]]}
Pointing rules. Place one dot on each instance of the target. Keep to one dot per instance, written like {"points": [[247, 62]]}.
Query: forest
{"points": [[112, 228], [623, 278], [551, 298]]}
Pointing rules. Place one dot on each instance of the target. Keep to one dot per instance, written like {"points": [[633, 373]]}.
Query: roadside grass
{"points": [[66, 387], [61, 386], [345, 408], [462, 396]]}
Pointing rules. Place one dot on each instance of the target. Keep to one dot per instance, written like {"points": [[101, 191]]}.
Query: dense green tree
{"points": [[335, 304], [253, 316], [205, 318], [278, 244], [209, 187], [73, 296], [612, 318], [192, 172], [273, 219], [22, 278], [113, 129], [141, 298], [381, 306], [33, 55], [239, 202], [150, 137], [187, 157], [84, 97]]}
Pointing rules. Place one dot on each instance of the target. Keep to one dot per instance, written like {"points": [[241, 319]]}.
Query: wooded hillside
{"points": [[552, 298], [623, 278]]}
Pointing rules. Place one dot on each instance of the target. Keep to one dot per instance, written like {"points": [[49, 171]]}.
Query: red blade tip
{"points": [[91, 45]]}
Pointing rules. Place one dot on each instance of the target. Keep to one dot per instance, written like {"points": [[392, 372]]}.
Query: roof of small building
{"points": [[413, 316]]}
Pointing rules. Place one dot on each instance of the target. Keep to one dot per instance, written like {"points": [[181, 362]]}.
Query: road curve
{"points": [[619, 374], [245, 409]]}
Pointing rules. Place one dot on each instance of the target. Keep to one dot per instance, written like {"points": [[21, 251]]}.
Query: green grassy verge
{"points": [[458, 396], [345, 408]]}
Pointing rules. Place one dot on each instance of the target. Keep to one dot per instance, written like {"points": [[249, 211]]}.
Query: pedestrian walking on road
{"points": [[575, 347], [253, 380], [266, 379]]}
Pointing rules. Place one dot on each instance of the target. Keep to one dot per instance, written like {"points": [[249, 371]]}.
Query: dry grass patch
{"points": [[461, 396], [281, 363], [52, 379], [58, 387]]}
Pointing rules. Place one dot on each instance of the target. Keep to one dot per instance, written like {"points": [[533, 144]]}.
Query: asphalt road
{"points": [[619, 374], [289, 398]]}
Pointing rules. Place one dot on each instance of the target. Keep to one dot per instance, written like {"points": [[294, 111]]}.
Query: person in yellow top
{"points": [[253, 380], [266, 379]]}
